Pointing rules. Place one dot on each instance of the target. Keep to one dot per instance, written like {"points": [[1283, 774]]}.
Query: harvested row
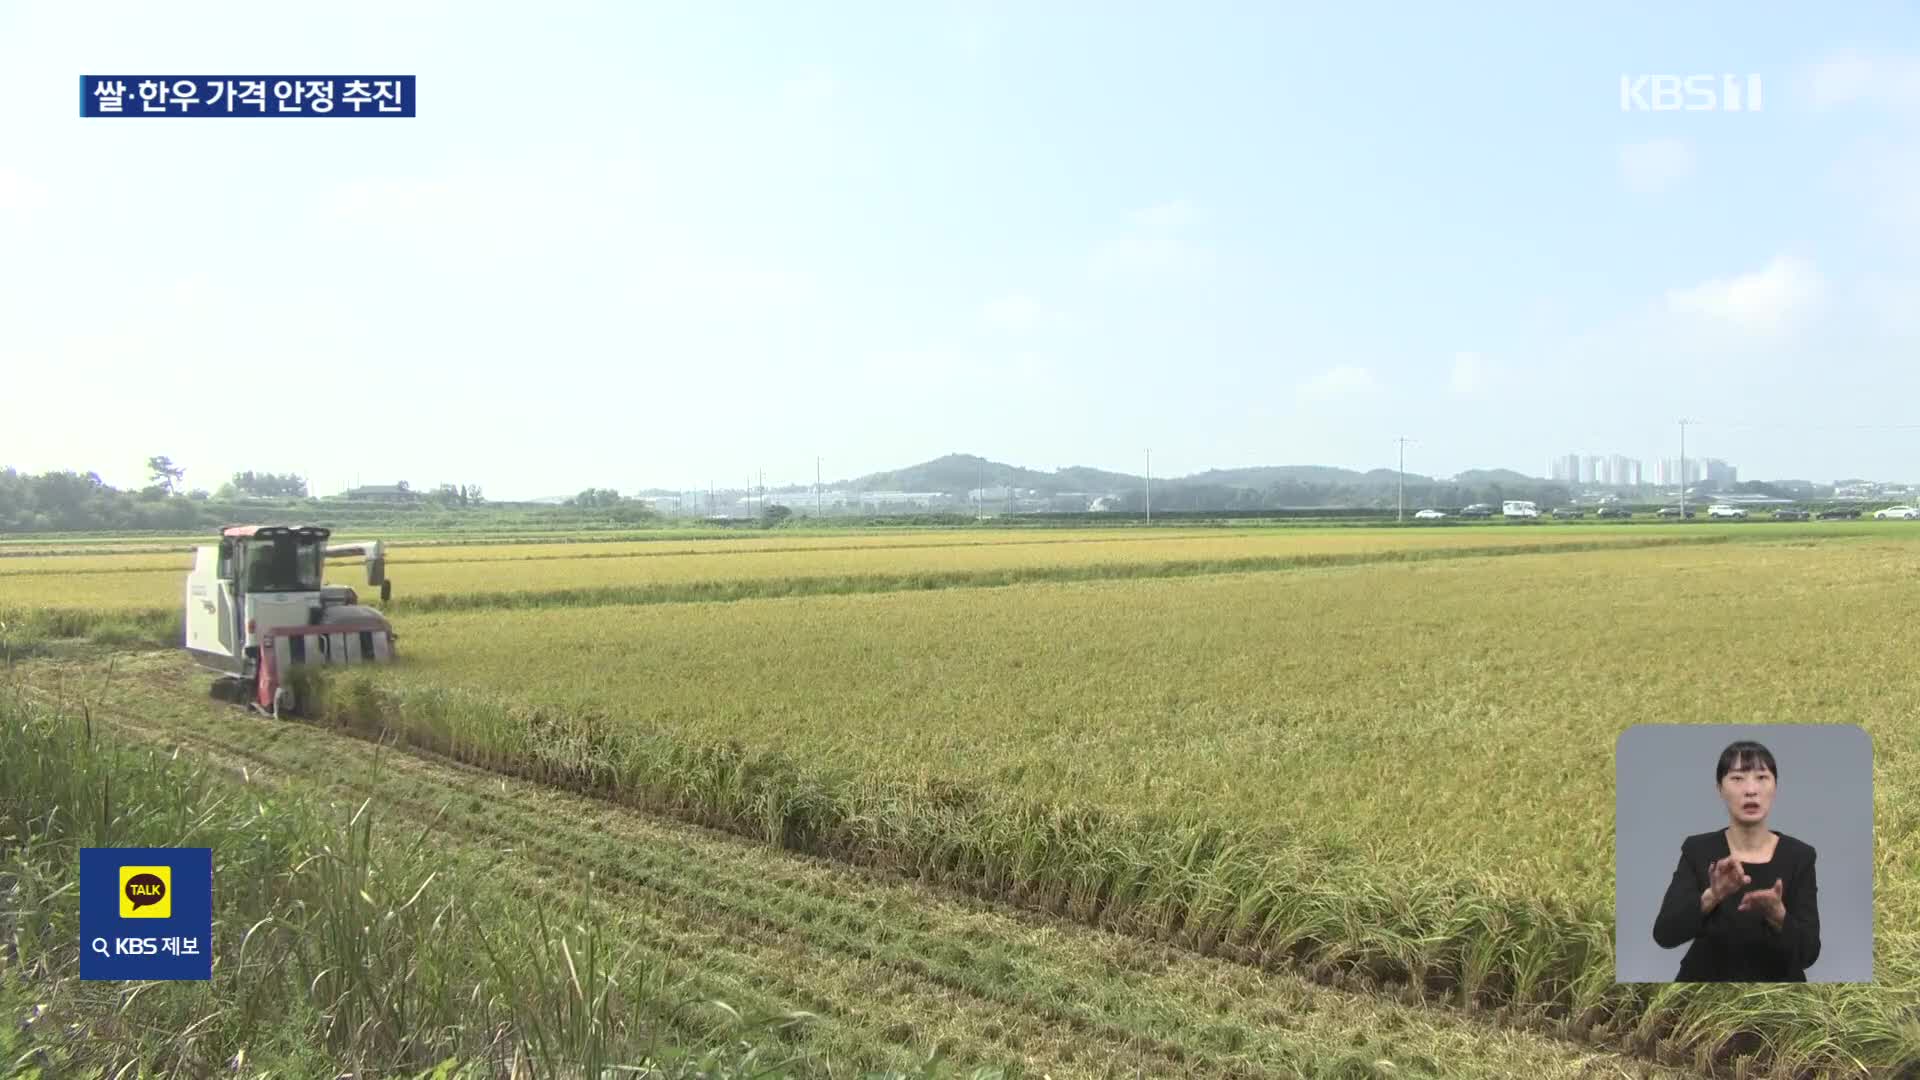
{"points": [[1227, 761]]}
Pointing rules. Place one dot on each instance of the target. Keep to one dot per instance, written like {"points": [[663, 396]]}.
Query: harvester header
{"points": [[257, 606]]}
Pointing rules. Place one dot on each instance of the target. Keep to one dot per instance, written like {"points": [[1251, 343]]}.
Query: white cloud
{"points": [[1335, 383], [20, 192], [1469, 373], [1655, 165], [1766, 301], [1850, 77], [1155, 243]]}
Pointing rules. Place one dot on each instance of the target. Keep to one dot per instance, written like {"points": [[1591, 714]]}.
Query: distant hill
{"points": [[1263, 476], [1082, 478], [1479, 477], [959, 473], [1259, 486]]}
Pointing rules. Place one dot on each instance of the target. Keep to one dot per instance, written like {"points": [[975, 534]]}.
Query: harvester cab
{"points": [[258, 607]]}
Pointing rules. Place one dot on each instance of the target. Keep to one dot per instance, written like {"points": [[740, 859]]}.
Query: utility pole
{"points": [[1149, 485], [1401, 518], [1683, 468]]}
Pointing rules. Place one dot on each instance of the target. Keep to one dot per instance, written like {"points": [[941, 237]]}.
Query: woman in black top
{"points": [[1744, 895]]}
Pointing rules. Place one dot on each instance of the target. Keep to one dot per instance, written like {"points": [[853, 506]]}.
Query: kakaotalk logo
{"points": [[146, 892]]}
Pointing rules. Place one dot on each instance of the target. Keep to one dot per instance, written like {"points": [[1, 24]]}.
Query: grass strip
{"points": [[339, 945]]}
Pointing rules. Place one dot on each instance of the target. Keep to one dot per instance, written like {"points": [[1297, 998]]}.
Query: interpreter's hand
{"points": [[1728, 877], [1770, 903]]}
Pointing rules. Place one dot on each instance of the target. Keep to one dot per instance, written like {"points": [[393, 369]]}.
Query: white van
{"points": [[1519, 508]]}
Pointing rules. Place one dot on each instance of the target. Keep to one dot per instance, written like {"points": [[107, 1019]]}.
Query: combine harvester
{"points": [[258, 607]]}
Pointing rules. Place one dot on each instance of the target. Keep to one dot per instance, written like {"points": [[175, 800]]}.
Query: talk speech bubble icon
{"points": [[144, 889], [144, 892]]}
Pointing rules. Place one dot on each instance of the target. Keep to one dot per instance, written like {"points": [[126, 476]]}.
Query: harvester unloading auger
{"points": [[258, 608]]}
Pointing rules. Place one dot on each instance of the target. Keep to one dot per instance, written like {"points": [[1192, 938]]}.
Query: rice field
{"points": [[1296, 699], [1392, 759], [144, 580], [178, 554]]}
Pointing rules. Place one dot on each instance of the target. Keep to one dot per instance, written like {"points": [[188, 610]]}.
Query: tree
{"points": [[164, 472], [456, 495], [594, 498], [775, 514], [268, 485], [72, 501]]}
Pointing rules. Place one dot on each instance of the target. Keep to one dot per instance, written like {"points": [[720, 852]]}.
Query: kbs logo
{"points": [[1690, 93], [146, 892]]}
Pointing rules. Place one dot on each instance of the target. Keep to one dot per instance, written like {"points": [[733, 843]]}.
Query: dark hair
{"points": [[1744, 754]]}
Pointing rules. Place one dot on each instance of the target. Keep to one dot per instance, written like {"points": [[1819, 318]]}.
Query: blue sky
{"points": [[638, 244]]}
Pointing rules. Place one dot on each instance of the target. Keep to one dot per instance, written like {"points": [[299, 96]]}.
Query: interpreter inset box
{"points": [[1743, 853]]}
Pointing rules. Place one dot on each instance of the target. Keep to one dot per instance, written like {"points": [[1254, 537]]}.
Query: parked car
{"points": [[1613, 512], [1477, 510], [1429, 515], [1672, 512], [1519, 508], [1566, 512], [1835, 513], [1790, 513], [1897, 513], [1722, 510]]}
